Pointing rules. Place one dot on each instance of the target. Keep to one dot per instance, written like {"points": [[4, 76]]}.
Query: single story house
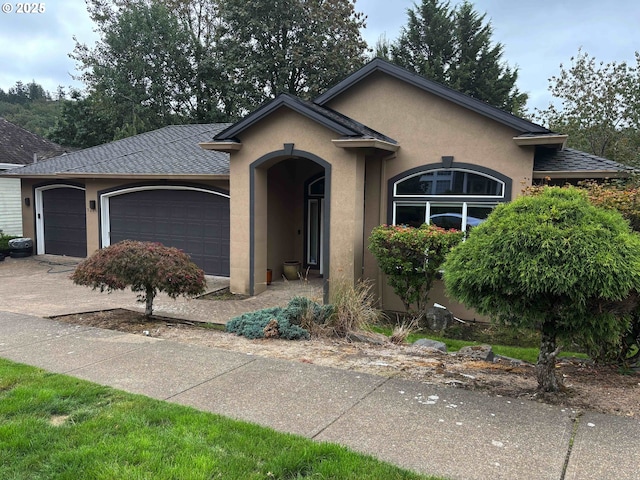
{"points": [[18, 147], [302, 181]]}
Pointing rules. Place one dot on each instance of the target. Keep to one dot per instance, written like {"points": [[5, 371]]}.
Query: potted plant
{"points": [[291, 269]]}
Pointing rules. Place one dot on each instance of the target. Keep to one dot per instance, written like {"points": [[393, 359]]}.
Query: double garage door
{"points": [[193, 220]]}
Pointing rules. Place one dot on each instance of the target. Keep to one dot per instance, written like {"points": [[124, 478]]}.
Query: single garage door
{"points": [[194, 221], [64, 221]]}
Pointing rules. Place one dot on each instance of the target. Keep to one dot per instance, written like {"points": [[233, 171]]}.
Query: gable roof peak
{"points": [[334, 121], [466, 101]]}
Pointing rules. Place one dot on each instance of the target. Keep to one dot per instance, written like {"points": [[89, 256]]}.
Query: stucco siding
{"points": [[272, 235], [428, 128]]}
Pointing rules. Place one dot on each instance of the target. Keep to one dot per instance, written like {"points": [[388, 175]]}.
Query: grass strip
{"points": [[527, 354], [54, 426]]}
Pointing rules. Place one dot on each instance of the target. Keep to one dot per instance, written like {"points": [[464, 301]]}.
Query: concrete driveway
{"points": [[40, 285]]}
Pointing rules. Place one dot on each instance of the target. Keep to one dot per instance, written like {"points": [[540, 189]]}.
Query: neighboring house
{"points": [[308, 180], [18, 147]]}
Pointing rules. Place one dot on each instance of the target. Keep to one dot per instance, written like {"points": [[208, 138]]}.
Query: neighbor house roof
{"points": [[171, 150], [335, 121], [18, 146], [569, 162], [379, 65]]}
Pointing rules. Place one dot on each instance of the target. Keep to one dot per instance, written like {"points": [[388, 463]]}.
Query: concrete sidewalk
{"points": [[427, 428]]}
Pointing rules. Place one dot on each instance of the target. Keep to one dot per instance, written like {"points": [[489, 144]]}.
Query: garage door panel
{"points": [[193, 221], [64, 221]]}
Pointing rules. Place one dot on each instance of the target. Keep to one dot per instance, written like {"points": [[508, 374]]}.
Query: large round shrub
{"points": [[551, 262]]}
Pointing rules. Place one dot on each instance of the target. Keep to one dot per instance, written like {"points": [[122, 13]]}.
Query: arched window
{"points": [[459, 198]]}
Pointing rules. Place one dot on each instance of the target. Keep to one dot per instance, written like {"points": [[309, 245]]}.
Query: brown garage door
{"points": [[65, 224], [194, 221]]}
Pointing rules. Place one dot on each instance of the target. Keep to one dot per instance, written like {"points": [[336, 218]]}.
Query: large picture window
{"points": [[450, 198]]}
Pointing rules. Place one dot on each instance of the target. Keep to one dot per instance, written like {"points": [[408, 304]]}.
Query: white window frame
{"points": [[427, 204]]}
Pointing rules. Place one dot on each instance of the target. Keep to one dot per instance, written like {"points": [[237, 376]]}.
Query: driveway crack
{"points": [[574, 431]]}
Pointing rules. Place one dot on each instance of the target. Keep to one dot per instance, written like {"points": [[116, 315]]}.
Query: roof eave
{"points": [[558, 141], [366, 143], [223, 146], [10, 166], [124, 176], [465, 101], [283, 100]]}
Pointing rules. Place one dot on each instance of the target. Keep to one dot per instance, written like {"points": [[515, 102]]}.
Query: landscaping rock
{"points": [[513, 361], [478, 352], [436, 319], [427, 343], [367, 337]]}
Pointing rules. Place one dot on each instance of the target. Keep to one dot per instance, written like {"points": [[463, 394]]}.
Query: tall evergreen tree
{"points": [[453, 46]]}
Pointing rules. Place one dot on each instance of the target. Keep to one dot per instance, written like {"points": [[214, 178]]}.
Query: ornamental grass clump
{"points": [[353, 308], [146, 267]]}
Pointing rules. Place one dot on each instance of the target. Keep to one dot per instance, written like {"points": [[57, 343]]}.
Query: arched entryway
{"points": [[279, 227]]}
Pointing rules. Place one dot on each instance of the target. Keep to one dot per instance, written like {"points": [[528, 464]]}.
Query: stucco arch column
{"points": [[240, 228], [347, 220]]}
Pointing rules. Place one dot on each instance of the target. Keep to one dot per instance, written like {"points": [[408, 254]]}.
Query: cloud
{"points": [[36, 46]]}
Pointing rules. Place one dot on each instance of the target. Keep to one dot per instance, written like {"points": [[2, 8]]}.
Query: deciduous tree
{"points": [[598, 106], [139, 72], [295, 46], [146, 267]]}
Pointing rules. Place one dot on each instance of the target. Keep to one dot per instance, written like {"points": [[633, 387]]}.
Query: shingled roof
{"points": [[171, 150], [17, 145], [335, 121], [570, 160]]}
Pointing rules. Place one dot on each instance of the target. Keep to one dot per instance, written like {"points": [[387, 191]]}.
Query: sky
{"points": [[537, 37]]}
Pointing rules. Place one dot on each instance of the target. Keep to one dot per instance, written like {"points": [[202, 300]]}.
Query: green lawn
{"points": [[54, 426], [527, 354]]}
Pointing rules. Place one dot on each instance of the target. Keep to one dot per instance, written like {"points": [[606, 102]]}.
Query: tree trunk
{"points": [[148, 309], [546, 366]]}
